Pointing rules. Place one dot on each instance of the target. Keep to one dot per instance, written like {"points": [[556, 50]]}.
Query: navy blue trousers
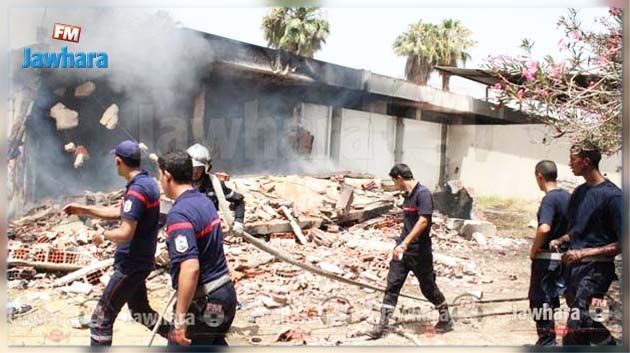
{"points": [[587, 280], [542, 302], [123, 288], [213, 315]]}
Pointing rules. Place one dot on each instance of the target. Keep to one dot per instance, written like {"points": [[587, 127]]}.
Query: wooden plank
{"points": [[346, 196], [280, 226], [47, 266], [369, 212], [294, 225]]}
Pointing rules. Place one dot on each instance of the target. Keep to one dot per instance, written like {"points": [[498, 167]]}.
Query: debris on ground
{"points": [[350, 234]]}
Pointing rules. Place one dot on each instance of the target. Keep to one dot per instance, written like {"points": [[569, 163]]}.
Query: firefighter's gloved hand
{"points": [[237, 228]]}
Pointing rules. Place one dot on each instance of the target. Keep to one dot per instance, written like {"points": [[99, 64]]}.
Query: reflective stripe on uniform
{"points": [[101, 338]]}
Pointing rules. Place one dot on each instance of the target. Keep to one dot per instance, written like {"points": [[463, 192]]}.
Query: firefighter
{"points": [[551, 225], [136, 241], [412, 253], [207, 183], [594, 233], [206, 299]]}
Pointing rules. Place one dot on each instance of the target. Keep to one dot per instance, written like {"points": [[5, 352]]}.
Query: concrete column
{"points": [[443, 165], [400, 133]]}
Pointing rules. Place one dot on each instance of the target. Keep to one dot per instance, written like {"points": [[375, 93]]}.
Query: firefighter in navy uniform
{"points": [[206, 299], [412, 253], [545, 264], [136, 240], [206, 182], [594, 221]]}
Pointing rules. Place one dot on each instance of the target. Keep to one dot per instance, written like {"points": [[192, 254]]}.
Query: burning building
{"points": [[259, 110]]}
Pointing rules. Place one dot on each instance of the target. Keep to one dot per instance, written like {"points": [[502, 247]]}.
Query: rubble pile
{"points": [[50, 250], [313, 201]]}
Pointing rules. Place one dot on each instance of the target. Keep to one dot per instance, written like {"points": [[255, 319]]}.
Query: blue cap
{"points": [[127, 149]]}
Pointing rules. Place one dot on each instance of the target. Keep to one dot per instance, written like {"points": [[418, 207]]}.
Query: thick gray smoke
{"points": [[154, 71], [149, 56]]}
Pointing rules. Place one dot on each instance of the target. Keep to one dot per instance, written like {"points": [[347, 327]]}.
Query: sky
{"points": [[362, 38]]}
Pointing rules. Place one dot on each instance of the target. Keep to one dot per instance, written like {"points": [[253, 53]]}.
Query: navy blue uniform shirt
{"points": [[140, 203], [193, 231], [552, 212], [418, 202], [595, 215]]}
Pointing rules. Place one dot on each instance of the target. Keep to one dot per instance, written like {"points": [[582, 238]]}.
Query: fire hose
{"points": [[312, 269], [280, 256]]}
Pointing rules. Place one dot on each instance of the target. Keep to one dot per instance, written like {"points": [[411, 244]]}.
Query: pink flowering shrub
{"points": [[579, 96]]}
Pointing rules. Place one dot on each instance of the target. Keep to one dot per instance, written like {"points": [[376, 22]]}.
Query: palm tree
{"points": [[427, 45], [454, 45], [419, 45], [298, 30]]}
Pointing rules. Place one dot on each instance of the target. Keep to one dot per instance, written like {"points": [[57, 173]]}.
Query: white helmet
{"points": [[200, 155]]}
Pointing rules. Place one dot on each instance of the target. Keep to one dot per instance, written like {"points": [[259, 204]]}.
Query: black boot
{"points": [[380, 329], [445, 323]]}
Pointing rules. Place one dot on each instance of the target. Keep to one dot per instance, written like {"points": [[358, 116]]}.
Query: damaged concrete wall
{"points": [[420, 149], [500, 159], [366, 141], [317, 119]]}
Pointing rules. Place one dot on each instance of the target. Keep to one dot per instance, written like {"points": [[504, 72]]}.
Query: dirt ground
{"points": [[505, 275]]}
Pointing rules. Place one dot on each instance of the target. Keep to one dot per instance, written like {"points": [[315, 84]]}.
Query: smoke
{"points": [[150, 57], [155, 70]]}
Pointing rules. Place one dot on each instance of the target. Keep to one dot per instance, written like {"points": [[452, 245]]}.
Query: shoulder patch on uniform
{"points": [[181, 243], [127, 206]]}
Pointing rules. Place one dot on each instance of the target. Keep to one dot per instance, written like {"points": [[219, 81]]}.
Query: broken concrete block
{"points": [[81, 155], [480, 238], [470, 227], [319, 237], [70, 147], [82, 237], [455, 223], [64, 117], [78, 287], [78, 161], [269, 303], [70, 225], [328, 267], [84, 89], [371, 276], [110, 117]]}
